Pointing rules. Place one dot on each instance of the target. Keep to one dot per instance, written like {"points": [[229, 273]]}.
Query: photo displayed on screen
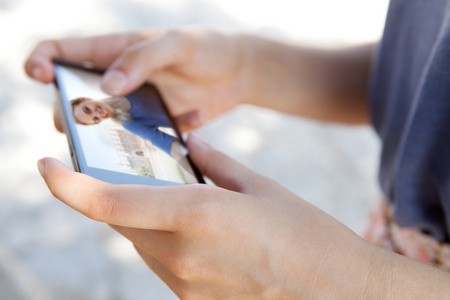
{"points": [[130, 134]]}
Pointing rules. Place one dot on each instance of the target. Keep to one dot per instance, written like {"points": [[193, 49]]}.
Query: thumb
{"points": [[224, 171], [138, 206]]}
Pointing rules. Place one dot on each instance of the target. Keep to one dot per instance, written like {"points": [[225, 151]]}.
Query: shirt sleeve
{"points": [[152, 134]]}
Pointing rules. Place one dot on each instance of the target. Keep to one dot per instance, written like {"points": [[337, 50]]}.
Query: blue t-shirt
{"points": [[410, 107], [147, 115]]}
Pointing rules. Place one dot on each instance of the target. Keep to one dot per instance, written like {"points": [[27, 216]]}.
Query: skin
{"points": [[246, 237]]}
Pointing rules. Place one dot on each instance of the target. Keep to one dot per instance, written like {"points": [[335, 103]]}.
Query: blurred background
{"points": [[48, 251]]}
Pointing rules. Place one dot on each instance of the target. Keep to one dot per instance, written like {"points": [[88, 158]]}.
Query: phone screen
{"points": [[129, 139]]}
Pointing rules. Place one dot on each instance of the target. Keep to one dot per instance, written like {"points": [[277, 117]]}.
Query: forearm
{"points": [[414, 280], [351, 268], [387, 275], [327, 85]]}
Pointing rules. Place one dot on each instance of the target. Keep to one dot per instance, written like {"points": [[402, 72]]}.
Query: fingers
{"points": [[165, 274], [166, 247], [40, 67], [223, 170], [138, 206], [57, 118], [100, 50], [136, 64], [129, 57], [191, 120], [154, 241]]}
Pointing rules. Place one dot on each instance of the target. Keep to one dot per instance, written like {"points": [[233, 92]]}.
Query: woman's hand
{"points": [[204, 73], [246, 238], [201, 73]]}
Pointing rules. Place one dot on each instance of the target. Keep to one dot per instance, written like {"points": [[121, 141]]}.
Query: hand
{"points": [[204, 73], [248, 237], [201, 73]]}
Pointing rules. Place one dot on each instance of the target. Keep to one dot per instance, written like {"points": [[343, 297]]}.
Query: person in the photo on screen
{"points": [[142, 118]]}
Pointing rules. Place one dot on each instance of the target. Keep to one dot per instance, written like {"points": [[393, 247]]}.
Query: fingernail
{"points": [[36, 73], [201, 117], [113, 82], [197, 119], [198, 139], [41, 166]]}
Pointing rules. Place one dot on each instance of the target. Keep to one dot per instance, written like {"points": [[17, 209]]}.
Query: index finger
{"points": [[99, 50]]}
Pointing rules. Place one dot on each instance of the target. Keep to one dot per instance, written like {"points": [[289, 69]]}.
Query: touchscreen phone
{"points": [[120, 140]]}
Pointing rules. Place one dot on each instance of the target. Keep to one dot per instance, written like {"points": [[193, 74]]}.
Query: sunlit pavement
{"points": [[48, 251]]}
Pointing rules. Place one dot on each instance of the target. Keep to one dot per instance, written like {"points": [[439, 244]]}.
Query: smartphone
{"points": [[120, 140]]}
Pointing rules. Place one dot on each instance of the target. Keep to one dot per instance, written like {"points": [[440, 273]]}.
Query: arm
{"points": [[328, 85], [247, 237]]}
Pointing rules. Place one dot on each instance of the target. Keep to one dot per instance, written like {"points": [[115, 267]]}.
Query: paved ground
{"points": [[48, 251]]}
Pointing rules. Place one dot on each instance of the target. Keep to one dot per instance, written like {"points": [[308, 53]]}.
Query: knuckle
{"points": [[50, 47], [199, 213], [261, 185], [97, 203], [177, 38], [131, 52], [184, 292], [182, 266], [43, 44], [40, 47], [102, 206], [135, 52], [55, 191], [175, 34]]}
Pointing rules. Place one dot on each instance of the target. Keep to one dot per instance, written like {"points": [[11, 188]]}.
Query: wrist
{"points": [[322, 84], [281, 76], [269, 74], [400, 277], [338, 269], [392, 276], [347, 271]]}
